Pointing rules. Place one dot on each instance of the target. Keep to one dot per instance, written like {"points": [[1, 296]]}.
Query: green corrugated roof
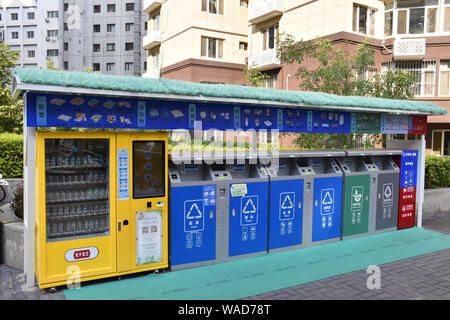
{"points": [[177, 87]]}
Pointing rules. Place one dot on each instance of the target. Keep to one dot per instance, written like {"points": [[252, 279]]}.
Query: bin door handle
{"points": [[233, 212], [379, 196], [299, 204], [119, 225], [211, 214], [316, 203]]}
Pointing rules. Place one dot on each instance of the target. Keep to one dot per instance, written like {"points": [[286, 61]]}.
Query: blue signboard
{"points": [[193, 224], [408, 171], [327, 208], [248, 219], [76, 111]]}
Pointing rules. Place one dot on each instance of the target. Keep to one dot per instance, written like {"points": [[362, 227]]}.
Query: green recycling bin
{"points": [[356, 199]]}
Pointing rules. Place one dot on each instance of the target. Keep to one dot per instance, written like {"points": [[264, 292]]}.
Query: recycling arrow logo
{"points": [[287, 203], [194, 212], [327, 199], [388, 192], [249, 207]]}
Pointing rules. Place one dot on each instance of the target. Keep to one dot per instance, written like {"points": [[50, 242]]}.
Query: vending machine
{"points": [[102, 205]]}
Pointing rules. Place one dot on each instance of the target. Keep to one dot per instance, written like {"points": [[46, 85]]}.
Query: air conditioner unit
{"points": [[47, 20]]}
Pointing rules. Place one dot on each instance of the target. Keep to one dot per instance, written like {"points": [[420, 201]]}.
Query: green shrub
{"points": [[11, 155], [437, 172]]}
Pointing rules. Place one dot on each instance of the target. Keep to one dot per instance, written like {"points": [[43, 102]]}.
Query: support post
{"points": [[29, 184]]}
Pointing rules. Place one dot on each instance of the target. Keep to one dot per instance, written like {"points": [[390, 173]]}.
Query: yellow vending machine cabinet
{"points": [[142, 220], [102, 205], [75, 227]]}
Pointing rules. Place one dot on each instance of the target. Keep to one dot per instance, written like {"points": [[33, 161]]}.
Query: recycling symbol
{"points": [[194, 212], [249, 207]]}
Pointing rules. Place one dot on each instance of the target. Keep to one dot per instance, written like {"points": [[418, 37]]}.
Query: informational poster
{"points": [[366, 122], [417, 125], [149, 237], [394, 123]]}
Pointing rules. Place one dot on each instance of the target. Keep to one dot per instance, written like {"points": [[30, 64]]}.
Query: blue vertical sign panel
{"points": [[248, 220], [327, 208], [285, 213], [408, 171], [193, 224]]}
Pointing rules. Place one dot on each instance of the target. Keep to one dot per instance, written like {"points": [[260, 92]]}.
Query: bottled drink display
{"points": [[77, 188]]}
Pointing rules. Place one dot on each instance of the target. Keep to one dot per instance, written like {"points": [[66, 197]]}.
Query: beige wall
{"points": [[311, 19], [183, 24]]}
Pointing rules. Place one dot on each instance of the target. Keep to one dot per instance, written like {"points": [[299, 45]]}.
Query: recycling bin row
{"points": [[223, 212]]}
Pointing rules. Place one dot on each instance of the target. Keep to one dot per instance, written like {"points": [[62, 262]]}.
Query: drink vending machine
{"points": [[102, 205]]}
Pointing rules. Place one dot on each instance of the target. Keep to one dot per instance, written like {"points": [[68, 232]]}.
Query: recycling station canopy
{"points": [[86, 100]]}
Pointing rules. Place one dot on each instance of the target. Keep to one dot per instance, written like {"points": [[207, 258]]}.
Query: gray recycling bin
{"points": [[218, 212], [384, 187]]}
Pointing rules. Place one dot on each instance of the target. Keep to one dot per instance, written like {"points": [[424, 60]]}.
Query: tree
{"points": [[325, 67], [255, 77], [11, 115]]}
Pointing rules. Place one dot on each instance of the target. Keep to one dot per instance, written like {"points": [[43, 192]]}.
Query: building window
{"points": [[155, 60], [110, 47], [52, 53], [440, 144], [111, 27], [14, 16], [96, 66], [211, 47], [66, 65], [244, 3], [31, 54], [96, 47], [52, 14], [15, 35], [447, 16], [30, 34], [444, 85], [66, 46], [128, 66], [111, 8], [66, 7], [411, 17], [423, 71], [96, 28], [156, 22], [213, 6], [129, 26], [110, 66], [270, 36], [271, 81], [129, 6], [129, 46], [363, 19], [97, 8], [30, 15], [52, 33], [243, 45]]}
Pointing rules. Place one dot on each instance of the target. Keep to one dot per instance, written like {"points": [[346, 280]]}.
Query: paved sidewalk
{"points": [[422, 277]]}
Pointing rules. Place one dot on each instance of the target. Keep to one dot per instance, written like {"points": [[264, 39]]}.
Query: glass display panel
{"points": [[77, 188], [148, 169]]}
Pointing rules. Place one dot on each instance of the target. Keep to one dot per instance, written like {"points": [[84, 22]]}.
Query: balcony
{"points": [[264, 61], [152, 40], [265, 10], [152, 74], [150, 5], [409, 48]]}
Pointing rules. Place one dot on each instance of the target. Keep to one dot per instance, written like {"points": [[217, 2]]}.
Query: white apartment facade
{"points": [[76, 34]]}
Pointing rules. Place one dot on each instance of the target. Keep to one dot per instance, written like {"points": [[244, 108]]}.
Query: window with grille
{"points": [[444, 76], [423, 71]]}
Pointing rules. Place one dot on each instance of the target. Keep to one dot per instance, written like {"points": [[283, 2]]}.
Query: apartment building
{"points": [[202, 41], [18, 27], [77, 34], [411, 35], [105, 36]]}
